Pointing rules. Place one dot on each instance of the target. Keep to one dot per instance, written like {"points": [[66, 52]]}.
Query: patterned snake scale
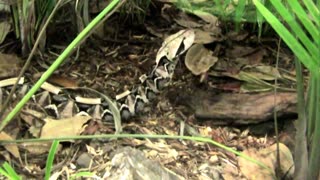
{"points": [[128, 103]]}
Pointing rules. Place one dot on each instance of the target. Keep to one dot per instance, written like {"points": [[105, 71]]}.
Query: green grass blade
{"points": [[314, 10], [83, 175], [239, 12], [311, 107], [86, 13], [50, 159], [25, 4], [221, 6], [314, 161], [15, 18], [289, 39], [4, 173], [10, 171], [43, 10], [304, 19], [296, 28], [71, 47], [260, 20], [301, 161]]}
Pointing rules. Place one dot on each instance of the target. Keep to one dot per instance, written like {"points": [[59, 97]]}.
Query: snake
{"points": [[63, 102]]}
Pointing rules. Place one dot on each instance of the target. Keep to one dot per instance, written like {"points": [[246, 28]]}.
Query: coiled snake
{"points": [[126, 104]]}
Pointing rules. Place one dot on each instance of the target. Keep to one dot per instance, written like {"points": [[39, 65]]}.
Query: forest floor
{"points": [[232, 103]]}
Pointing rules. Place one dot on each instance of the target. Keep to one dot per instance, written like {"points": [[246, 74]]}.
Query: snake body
{"points": [[126, 104]]}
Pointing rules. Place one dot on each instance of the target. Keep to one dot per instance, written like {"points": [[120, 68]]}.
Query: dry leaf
{"points": [[12, 148], [204, 37], [239, 51], [199, 59], [10, 81], [186, 21], [267, 73], [64, 127], [63, 81], [268, 157], [37, 148], [5, 27], [207, 17], [9, 65], [172, 44]]}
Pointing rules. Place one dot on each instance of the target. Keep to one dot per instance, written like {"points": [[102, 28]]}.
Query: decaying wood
{"points": [[233, 108]]}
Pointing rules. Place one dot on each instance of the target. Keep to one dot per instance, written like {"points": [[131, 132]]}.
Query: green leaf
{"points": [[314, 117], [9, 172], [304, 19], [239, 12], [314, 10], [289, 39], [82, 174], [50, 159], [296, 28]]}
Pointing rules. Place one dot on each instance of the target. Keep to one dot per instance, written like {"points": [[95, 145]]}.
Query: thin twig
{"points": [[275, 112]]}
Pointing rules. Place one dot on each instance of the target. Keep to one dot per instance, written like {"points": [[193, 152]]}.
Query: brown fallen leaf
{"points": [[239, 51], [5, 28], [261, 72], [63, 81], [237, 36], [12, 148], [36, 148], [256, 57], [170, 46], [268, 157], [9, 65], [205, 37], [199, 59], [187, 21], [64, 127]]}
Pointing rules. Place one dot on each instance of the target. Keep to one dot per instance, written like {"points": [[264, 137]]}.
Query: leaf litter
{"points": [[118, 66]]}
